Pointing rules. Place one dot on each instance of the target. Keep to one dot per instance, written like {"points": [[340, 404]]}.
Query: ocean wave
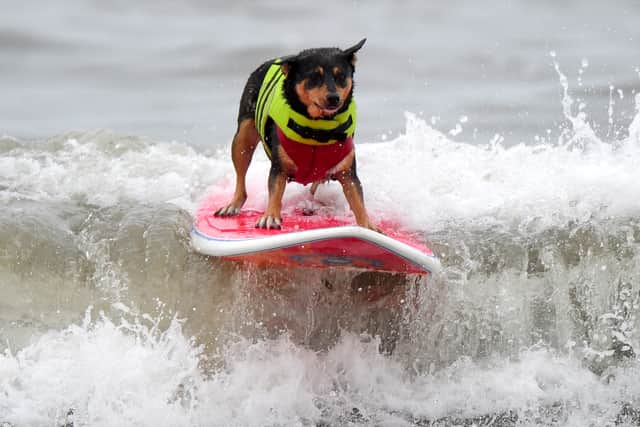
{"points": [[103, 372], [533, 321]]}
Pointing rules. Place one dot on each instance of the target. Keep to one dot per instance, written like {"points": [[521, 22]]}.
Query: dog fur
{"points": [[319, 85]]}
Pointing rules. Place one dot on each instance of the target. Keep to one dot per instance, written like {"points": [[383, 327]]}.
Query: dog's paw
{"points": [[229, 210], [233, 207], [371, 226], [269, 222], [377, 229]]}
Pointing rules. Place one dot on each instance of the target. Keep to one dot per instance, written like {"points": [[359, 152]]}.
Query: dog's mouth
{"points": [[326, 111]]}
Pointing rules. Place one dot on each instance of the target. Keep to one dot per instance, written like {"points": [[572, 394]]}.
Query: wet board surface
{"points": [[321, 240]]}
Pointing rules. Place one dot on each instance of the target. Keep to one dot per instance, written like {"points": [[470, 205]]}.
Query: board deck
{"points": [[312, 241]]}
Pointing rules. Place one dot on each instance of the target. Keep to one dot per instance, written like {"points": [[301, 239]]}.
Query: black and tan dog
{"points": [[302, 108]]}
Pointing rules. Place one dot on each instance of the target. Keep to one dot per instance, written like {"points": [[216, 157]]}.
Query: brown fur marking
{"points": [[315, 98], [344, 91]]}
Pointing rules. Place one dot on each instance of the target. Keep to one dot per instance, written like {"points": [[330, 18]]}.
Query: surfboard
{"points": [[319, 240]]}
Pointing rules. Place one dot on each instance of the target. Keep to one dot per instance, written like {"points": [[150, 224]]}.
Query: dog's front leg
{"points": [[282, 167], [352, 189], [277, 184]]}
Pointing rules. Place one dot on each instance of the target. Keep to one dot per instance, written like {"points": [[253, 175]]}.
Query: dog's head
{"points": [[319, 82]]}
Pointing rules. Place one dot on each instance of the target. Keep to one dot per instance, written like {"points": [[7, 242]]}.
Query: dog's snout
{"points": [[333, 100]]}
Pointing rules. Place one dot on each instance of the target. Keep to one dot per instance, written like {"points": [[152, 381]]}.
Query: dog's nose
{"points": [[333, 100]]}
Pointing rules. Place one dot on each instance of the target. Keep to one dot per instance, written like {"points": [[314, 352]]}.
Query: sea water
{"points": [[507, 137]]}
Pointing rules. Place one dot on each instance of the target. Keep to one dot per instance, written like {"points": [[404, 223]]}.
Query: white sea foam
{"points": [[430, 179], [103, 373], [104, 169], [110, 372], [422, 177], [99, 374]]}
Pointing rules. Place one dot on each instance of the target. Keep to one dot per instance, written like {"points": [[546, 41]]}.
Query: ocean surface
{"points": [[506, 134]]}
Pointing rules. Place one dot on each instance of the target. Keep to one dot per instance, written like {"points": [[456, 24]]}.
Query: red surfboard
{"points": [[319, 240]]}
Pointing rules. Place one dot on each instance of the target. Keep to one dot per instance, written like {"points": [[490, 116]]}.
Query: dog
{"points": [[302, 109]]}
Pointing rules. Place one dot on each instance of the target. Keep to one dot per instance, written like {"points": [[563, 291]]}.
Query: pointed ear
{"points": [[287, 63], [350, 53]]}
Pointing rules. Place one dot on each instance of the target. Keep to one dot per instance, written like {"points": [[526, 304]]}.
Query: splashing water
{"points": [[534, 321]]}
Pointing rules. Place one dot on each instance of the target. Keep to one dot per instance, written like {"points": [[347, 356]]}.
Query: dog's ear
{"points": [[287, 63], [350, 53]]}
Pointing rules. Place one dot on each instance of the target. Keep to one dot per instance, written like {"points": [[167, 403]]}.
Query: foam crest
{"points": [[421, 177], [101, 373], [432, 181], [104, 373], [104, 169]]}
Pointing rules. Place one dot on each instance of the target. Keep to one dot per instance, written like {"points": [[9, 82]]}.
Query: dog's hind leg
{"points": [[245, 140], [244, 144], [310, 205], [314, 187]]}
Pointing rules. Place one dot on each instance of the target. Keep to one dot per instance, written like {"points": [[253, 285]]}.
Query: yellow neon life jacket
{"points": [[272, 103]]}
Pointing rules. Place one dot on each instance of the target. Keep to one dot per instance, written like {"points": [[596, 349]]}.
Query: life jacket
{"points": [[315, 145]]}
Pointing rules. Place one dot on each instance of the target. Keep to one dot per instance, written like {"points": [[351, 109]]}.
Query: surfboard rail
{"points": [[225, 247]]}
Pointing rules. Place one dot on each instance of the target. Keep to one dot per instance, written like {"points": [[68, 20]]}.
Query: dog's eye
{"points": [[340, 78], [315, 78]]}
